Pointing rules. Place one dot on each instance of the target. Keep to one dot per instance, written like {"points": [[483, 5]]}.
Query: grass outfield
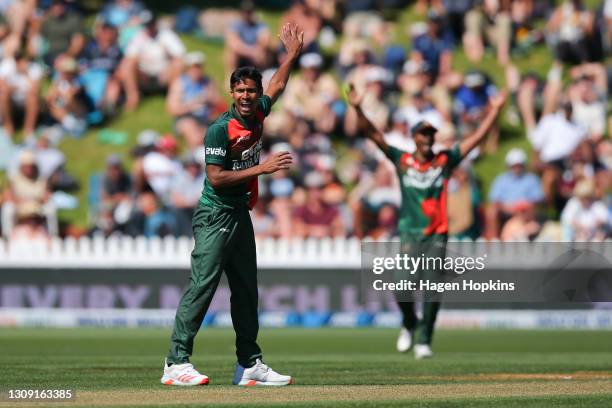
{"points": [[351, 367]]}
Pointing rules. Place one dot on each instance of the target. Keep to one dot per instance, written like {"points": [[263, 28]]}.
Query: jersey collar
{"points": [[234, 113]]}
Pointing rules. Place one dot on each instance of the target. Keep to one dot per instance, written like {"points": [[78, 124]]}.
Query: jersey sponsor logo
{"points": [[216, 151], [429, 178], [252, 151]]}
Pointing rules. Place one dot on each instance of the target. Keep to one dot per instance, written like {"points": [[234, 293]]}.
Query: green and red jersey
{"points": [[424, 190], [235, 144]]}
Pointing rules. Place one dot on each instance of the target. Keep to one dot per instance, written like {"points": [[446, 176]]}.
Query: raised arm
{"points": [[354, 99], [292, 38], [495, 105]]}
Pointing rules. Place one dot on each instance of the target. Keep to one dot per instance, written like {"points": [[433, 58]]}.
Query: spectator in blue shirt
{"points": [[120, 13], [470, 105], [435, 46], [247, 41], [516, 186]]}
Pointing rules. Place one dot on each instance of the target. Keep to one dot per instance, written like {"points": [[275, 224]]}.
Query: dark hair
{"points": [[242, 73]]}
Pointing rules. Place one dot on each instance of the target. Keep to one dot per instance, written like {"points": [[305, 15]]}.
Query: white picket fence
{"points": [[170, 252]]}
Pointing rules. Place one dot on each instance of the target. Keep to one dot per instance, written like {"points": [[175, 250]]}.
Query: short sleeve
{"points": [[172, 43], [454, 156], [265, 104], [216, 145], [394, 154]]}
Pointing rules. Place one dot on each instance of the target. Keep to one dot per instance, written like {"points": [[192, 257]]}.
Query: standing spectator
{"points": [[99, 63], [27, 187], [20, 80], [584, 218], [510, 188], [192, 99], [61, 32], [247, 41], [185, 193], [153, 59], [66, 99]]}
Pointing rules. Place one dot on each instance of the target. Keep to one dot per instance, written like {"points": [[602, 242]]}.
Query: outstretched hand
{"points": [[277, 161], [498, 101], [292, 37], [353, 97]]}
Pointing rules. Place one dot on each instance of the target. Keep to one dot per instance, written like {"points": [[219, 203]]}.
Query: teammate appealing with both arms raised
{"points": [[224, 238], [423, 224]]}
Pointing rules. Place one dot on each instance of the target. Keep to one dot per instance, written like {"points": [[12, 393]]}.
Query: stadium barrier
{"points": [[134, 282]]}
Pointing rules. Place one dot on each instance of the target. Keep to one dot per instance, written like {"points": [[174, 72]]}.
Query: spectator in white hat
{"points": [[312, 93], [514, 186], [584, 217]]}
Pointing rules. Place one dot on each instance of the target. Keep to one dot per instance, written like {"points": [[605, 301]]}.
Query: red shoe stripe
{"points": [[204, 381], [169, 382], [251, 383]]}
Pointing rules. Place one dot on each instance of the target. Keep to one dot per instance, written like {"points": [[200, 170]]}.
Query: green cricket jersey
{"points": [[235, 143], [424, 190]]}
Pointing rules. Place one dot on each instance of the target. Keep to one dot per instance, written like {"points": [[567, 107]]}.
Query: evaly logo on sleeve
{"points": [[215, 151]]}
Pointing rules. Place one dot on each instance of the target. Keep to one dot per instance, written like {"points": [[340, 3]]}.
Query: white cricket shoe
{"points": [[404, 340], [422, 351], [259, 374], [182, 374]]}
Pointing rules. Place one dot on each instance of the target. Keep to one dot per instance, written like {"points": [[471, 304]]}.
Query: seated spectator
{"points": [[584, 218], [150, 219], [247, 41], [121, 13], [554, 139], [509, 188], [490, 24], [589, 99], [470, 105], [99, 68], [185, 193], [30, 224], [420, 109], [376, 108], [153, 59], [160, 167], [463, 205], [66, 99], [52, 163], [311, 95], [264, 224], [523, 225], [316, 218], [192, 100], [305, 14], [569, 28], [386, 223], [434, 47], [116, 183], [61, 32], [27, 187], [20, 80]]}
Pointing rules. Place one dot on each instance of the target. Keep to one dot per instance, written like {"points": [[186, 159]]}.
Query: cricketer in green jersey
{"points": [[223, 232], [423, 224]]}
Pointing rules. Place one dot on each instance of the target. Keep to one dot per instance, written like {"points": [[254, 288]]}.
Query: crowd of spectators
{"points": [[58, 77]]}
